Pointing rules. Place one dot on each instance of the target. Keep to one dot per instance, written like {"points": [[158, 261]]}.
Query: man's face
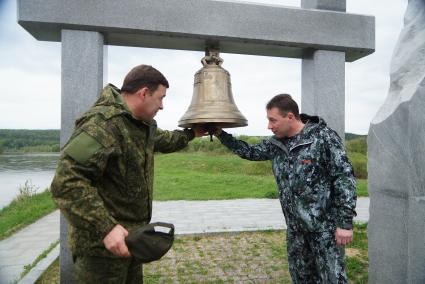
{"points": [[278, 124], [151, 103]]}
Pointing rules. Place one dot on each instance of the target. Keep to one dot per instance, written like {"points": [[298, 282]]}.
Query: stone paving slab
{"points": [[192, 217], [189, 217], [23, 247], [36, 272]]}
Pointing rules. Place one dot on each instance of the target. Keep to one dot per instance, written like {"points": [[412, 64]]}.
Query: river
{"points": [[16, 169]]}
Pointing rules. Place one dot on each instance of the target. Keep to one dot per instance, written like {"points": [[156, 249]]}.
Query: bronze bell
{"points": [[212, 100]]}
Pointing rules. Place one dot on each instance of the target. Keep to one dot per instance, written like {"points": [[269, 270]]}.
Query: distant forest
{"points": [[23, 140]]}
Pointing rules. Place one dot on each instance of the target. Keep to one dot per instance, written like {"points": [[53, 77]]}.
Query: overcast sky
{"points": [[30, 74]]}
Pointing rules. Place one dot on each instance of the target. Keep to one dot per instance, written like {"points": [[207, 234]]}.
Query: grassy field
{"points": [[200, 176], [245, 257], [203, 176]]}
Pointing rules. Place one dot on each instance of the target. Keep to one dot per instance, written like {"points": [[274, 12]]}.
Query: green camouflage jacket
{"points": [[313, 174], [105, 173]]}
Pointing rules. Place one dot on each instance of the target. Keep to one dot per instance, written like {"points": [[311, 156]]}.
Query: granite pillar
{"points": [[396, 158], [323, 77], [83, 73], [323, 87]]}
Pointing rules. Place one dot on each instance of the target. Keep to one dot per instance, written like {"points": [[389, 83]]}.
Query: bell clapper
{"points": [[210, 128]]}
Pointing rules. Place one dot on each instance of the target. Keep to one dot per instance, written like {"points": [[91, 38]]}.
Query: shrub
{"points": [[203, 144], [359, 162], [358, 145], [26, 191]]}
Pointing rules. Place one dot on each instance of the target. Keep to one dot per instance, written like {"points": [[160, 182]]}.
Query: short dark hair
{"points": [[143, 76], [285, 104]]}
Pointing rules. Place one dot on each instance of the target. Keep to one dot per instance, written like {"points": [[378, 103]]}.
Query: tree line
{"points": [[19, 140], [25, 140]]}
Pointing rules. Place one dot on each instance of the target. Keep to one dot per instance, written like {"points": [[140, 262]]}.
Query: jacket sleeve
{"points": [[82, 163], [171, 141], [343, 181], [258, 152]]}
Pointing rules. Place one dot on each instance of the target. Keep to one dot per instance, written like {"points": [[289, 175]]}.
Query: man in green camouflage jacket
{"points": [[316, 189], [104, 179]]}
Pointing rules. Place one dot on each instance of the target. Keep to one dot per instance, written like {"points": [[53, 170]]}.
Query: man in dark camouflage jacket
{"points": [[104, 179], [316, 189]]}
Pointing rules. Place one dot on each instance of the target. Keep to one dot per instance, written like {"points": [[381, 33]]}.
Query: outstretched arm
{"points": [[171, 141], [259, 152]]}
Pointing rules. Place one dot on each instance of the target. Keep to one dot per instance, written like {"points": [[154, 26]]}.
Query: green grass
{"points": [[357, 255], [359, 162], [362, 188], [23, 211], [358, 145], [202, 176], [199, 176]]}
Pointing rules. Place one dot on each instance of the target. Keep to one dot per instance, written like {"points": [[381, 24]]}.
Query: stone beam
{"points": [[243, 28]]}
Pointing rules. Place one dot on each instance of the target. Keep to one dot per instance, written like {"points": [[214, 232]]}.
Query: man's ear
{"points": [[143, 92], [290, 115]]}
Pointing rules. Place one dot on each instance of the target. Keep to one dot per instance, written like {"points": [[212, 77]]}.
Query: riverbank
{"points": [[17, 169], [27, 208]]}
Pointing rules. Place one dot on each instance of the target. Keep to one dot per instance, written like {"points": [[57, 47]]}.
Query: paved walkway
{"points": [[189, 217]]}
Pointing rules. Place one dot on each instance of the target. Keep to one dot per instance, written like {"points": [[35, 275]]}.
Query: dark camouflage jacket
{"points": [[105, 173], [313, 174]]}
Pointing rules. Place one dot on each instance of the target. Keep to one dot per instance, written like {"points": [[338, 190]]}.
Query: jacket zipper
{"points": [[299, 145]]}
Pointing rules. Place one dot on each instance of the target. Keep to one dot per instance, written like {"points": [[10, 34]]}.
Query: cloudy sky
{"points": [[30, 74]]}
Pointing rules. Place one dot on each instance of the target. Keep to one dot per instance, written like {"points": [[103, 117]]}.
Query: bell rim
{"points": [[225, 123]]}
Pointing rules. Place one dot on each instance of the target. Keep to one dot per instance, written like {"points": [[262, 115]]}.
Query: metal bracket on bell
{"points": [[212, 56]]}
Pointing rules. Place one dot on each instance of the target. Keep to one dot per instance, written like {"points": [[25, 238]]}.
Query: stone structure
{"points": [[396, 153], [320, 33]]}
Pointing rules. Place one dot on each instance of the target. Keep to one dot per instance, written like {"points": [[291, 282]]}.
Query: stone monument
{"points": [[396, 153], [319, 33]]}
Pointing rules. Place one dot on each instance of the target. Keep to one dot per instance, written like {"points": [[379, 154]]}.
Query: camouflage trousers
{"points": [[315, 258], [100, 270]]}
